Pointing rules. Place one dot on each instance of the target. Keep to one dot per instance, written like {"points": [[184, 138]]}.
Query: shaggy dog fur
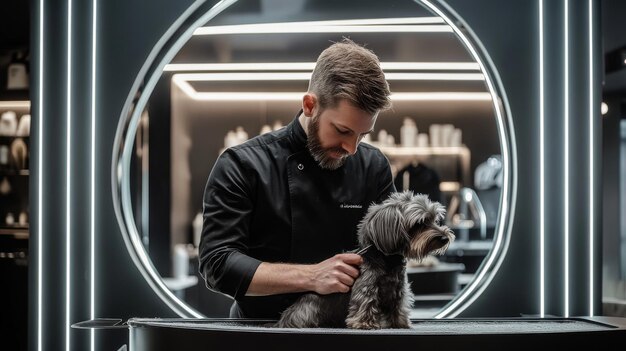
{"points": [[405, 226]]}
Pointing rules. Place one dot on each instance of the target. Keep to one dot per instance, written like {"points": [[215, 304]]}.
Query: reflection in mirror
{"points": [[244, 74]]}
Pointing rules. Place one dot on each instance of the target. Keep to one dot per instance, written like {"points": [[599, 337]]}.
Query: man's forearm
{"points": [[333, 275], [280, 278]]}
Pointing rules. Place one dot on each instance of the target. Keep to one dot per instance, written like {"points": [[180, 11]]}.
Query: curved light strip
{"points": [[40, 182], [542, 172], [121, 158], [484, 276], [68, 185], [309, 66]]}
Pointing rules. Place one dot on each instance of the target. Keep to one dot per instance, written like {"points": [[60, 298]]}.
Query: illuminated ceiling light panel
{"points": [[363, 22], [408, 24], [283, 28], [182, 80], [309, 66], [228, 77]]}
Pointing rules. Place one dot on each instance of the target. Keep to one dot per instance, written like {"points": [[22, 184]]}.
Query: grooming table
{"points": [[438, 334]]}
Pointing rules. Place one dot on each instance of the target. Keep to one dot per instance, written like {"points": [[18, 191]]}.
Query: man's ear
{"points": [[309, 103]]}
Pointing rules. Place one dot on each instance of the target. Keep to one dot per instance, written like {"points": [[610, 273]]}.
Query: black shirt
{"points": [[269, 200]]}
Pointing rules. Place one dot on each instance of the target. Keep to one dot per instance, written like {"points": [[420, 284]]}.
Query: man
{"points": [[280, 209]]}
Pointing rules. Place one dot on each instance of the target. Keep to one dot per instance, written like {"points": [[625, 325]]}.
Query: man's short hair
{"points": [[346, 70]]}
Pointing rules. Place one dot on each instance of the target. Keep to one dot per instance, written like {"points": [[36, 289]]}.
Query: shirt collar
{"points": [[298, 136]]}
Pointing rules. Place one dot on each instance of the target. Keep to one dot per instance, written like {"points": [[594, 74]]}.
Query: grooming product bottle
{"points": [[17, 73], [408, 132]]}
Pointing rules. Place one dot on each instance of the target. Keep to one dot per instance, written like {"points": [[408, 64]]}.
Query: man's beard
{"points": [[321, 154]]}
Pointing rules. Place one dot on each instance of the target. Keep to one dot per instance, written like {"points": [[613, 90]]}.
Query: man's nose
{"points": [[350, 145]]}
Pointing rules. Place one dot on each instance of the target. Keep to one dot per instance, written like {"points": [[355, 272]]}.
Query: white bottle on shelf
{"points": [[277, 125], [197, 229], [446, 134], [242, 135], [230, 139], [265, 129], [408, 133], [382, 137], [456, 138], [422, 140], [17, 74], [23, 128], [435, 135], [8, 123], [391, 141], [181, 261]]}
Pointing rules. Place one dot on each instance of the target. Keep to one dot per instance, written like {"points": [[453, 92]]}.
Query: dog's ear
{"points": [[422, 210], [383, 227]]}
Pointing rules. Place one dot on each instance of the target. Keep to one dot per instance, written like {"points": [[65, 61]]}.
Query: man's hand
{"points": [[336, 274]]}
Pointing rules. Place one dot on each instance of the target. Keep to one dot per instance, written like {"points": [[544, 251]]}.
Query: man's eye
{"points": [[343, 132]]}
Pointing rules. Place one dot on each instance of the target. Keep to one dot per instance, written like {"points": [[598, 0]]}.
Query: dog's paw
{"points": [[363, 325]]}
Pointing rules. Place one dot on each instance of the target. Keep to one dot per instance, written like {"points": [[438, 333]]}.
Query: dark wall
{"points": [[14, 250]]}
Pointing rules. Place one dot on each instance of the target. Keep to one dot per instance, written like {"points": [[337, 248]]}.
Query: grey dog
{"points": [[405, 226]]}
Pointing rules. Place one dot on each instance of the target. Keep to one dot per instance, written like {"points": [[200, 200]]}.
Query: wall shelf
{"points": [[400, 156]]}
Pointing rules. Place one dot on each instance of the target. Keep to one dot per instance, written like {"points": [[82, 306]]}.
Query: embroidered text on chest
{"points": [[350, 206]]}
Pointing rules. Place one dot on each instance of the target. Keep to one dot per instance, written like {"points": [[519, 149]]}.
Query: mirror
{"points": [[243, 73]]}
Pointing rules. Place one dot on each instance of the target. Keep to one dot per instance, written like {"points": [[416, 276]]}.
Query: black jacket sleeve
{"points": [[227, 212]]}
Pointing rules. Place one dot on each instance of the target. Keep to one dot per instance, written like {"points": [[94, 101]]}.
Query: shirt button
{"points": [[300, 166]]}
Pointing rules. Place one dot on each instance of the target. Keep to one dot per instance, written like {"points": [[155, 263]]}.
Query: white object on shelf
{"points": [[265, 129], [446, 134], [17, 76], [382, 137], [8, 123], [19, 150], [181, 261], [230, 139], [277, 125], [242, 135], [23, 128], [390, 140], [455, 138], [10, 219], [197, 229], [422, 140], [22, 218], [435, 135], [408, 133]]}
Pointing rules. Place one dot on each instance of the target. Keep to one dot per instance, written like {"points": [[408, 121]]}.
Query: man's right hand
{"points": [[336, 274]]}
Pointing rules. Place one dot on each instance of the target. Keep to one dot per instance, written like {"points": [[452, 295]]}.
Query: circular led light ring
{"points": [[162, 54]]}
